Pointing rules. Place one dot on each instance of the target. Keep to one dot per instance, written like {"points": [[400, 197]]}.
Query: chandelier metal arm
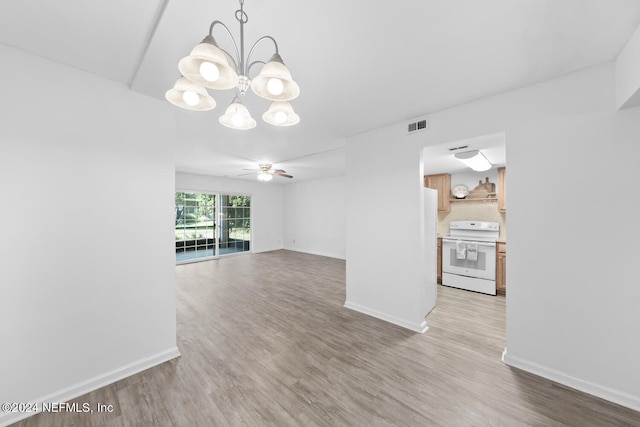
{"points": [[242, 67], [253, 48], [252, 64], [237, 59]]}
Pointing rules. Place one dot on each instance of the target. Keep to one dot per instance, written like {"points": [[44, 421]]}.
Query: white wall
{"points": [[628, 73], [574, 305], [385, 274], [87, 260], [379, 280], [267, 200], [315, 217]]}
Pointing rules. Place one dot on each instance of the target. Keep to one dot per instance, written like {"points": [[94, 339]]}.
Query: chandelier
{"points": [[207, 67]]}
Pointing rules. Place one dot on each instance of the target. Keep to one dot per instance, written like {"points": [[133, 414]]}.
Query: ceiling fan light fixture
{"points": [[207, 66], [475, 160], [275, 82], [281, 113], [189, 95], [266, 172], [237, 116], [264, 176]]}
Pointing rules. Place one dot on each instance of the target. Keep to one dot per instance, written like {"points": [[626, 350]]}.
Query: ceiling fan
{"points": [[266, 172]]}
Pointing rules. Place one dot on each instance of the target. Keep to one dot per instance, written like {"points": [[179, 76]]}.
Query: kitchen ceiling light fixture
{"points": [[208, 67], [475, 160]]}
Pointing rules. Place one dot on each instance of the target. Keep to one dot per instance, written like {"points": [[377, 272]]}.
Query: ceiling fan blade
{"points": [[266, 168], [284, 175], [245, 174]]}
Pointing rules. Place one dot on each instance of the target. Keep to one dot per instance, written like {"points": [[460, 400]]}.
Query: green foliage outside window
{"points": [[195, 216]]}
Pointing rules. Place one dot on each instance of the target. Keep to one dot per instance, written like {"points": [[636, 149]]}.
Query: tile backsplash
{"points": [[476, 210]]}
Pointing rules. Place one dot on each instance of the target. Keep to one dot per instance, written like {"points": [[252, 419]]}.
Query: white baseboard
{"points": [[328, 255], [415, 327], [615, 396], [84, 387]]}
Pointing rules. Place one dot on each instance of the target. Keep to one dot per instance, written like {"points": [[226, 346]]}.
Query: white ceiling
{"points": [[360, 65]]}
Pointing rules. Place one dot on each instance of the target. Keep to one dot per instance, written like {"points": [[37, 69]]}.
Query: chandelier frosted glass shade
{"points": [[275, 82], [281, 113], [207, 66], [237, 116], [187, 94]]}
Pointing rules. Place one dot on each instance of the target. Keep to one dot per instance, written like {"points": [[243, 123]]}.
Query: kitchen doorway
{"points": [[470, 195]]}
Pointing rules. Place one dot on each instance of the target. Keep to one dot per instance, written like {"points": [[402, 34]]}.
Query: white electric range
{"points": [[469, 256]]}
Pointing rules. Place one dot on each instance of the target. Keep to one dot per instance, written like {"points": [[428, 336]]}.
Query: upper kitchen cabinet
{"points": [[502, 189], [442, 183]]}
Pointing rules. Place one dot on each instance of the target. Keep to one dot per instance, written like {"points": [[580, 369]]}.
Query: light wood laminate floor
{"points": [[265, 341]]}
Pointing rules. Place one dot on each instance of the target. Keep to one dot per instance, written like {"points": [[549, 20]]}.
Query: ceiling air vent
{"points": [[417, 125], [458, 148]]}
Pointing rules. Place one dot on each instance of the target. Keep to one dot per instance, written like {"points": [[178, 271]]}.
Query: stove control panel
{"points": [[474, 225]]}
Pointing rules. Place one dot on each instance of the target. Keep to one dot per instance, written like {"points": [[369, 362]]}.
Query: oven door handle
{"points": [[488, 244]]}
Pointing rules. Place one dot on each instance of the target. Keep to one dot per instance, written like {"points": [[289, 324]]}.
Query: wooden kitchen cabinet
{"points": [[442, 183], [439, 260], [502, 189], [501, 268]]}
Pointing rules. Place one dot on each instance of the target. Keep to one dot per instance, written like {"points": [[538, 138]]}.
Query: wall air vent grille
{"points": [[417, 125]]}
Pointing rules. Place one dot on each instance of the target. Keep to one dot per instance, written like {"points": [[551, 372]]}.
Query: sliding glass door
{"points": [[235, 223], [210, 225]]}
